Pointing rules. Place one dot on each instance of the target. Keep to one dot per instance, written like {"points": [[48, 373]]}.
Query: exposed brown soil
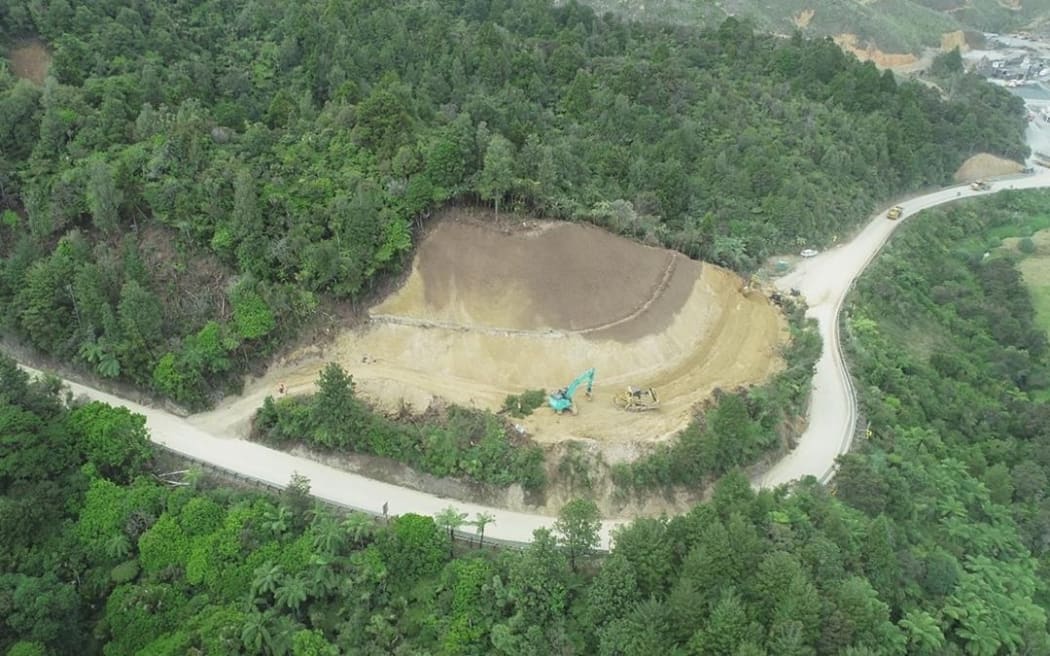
{"points": [[30, 60], [486, 312], [549, 276], [957, 39], [803, 18], [470, 342], [984, 165], [869, 52]]}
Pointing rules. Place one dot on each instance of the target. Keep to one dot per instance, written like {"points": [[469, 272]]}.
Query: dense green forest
{"points": [[198, 176], [933, 539]]}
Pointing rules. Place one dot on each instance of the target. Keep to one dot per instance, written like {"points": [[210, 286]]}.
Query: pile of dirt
{"points": [[30, 60], [957, 39], [803, 18], [984, 165], [548, 276]]}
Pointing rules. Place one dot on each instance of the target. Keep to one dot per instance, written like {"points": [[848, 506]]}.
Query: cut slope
{"points": [[561, 277], [984, 165], [480, 317]]}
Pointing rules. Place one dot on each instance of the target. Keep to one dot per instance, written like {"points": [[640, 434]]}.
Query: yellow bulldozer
{"points": [[636, 399], [753, 283]]}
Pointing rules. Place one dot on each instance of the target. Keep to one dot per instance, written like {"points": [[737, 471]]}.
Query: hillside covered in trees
{"points": [[896, 26], [932, 540], [199, 176]]}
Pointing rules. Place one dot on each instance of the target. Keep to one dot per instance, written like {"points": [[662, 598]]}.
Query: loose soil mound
{"points": [[30, 60], [983, 165], [486, 313]]}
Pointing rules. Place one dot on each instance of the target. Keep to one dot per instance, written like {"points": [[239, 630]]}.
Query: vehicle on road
{"points": [[561, 400], [809, 252], [980, 185], [636, 399], [895, 213]]}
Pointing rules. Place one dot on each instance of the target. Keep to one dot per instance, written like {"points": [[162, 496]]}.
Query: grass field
{"points": [[1035, 268]]}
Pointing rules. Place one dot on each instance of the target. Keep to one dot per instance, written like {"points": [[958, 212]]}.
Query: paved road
{"points": [[824, 280]]}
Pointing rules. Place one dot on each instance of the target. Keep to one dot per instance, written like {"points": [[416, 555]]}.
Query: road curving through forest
{"points": [[823, 280]]}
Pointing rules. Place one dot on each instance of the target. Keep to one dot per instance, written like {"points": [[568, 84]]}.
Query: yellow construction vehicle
{"points": [[980, 185], [895, 213], [751, 285], [636, 399]]}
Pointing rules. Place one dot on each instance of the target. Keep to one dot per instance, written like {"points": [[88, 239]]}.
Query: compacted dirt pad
{"points": [[493, 309]]}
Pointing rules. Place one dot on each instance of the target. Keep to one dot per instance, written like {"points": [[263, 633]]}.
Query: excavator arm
{"points": [[561, 400], [585, 377]]}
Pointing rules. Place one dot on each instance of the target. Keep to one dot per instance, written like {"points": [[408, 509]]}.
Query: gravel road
{"points": [[823, 280]]}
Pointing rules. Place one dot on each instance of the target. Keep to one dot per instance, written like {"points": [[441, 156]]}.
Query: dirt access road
{"points": [[824, 280]]}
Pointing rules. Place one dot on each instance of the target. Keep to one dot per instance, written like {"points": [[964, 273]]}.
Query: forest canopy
{"points": [[196, 177], [932, 538]]}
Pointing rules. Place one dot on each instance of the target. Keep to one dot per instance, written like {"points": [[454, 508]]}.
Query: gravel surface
{"points": [[824, 281]]}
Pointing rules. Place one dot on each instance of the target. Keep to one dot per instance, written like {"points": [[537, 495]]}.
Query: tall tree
{"points": [[497, 174], [481, 520], [579, 523], [103, 197], [113, 439], [337, 415], [450, 519]]}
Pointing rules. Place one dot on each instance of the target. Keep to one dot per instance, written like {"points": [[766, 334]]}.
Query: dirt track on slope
{"points": [[487, 312]]}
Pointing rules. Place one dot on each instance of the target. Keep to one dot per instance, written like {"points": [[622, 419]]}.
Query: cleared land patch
{"points": [[30, 60], [1035, 268], [490, 310], [984, 165]]}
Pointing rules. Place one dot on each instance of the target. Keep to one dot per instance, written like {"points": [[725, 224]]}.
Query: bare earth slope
{"points": [[557, 276], [30, 60], [488, 312]]}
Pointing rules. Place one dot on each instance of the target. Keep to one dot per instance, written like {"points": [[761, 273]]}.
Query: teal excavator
{"points": [[561, 400]]}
